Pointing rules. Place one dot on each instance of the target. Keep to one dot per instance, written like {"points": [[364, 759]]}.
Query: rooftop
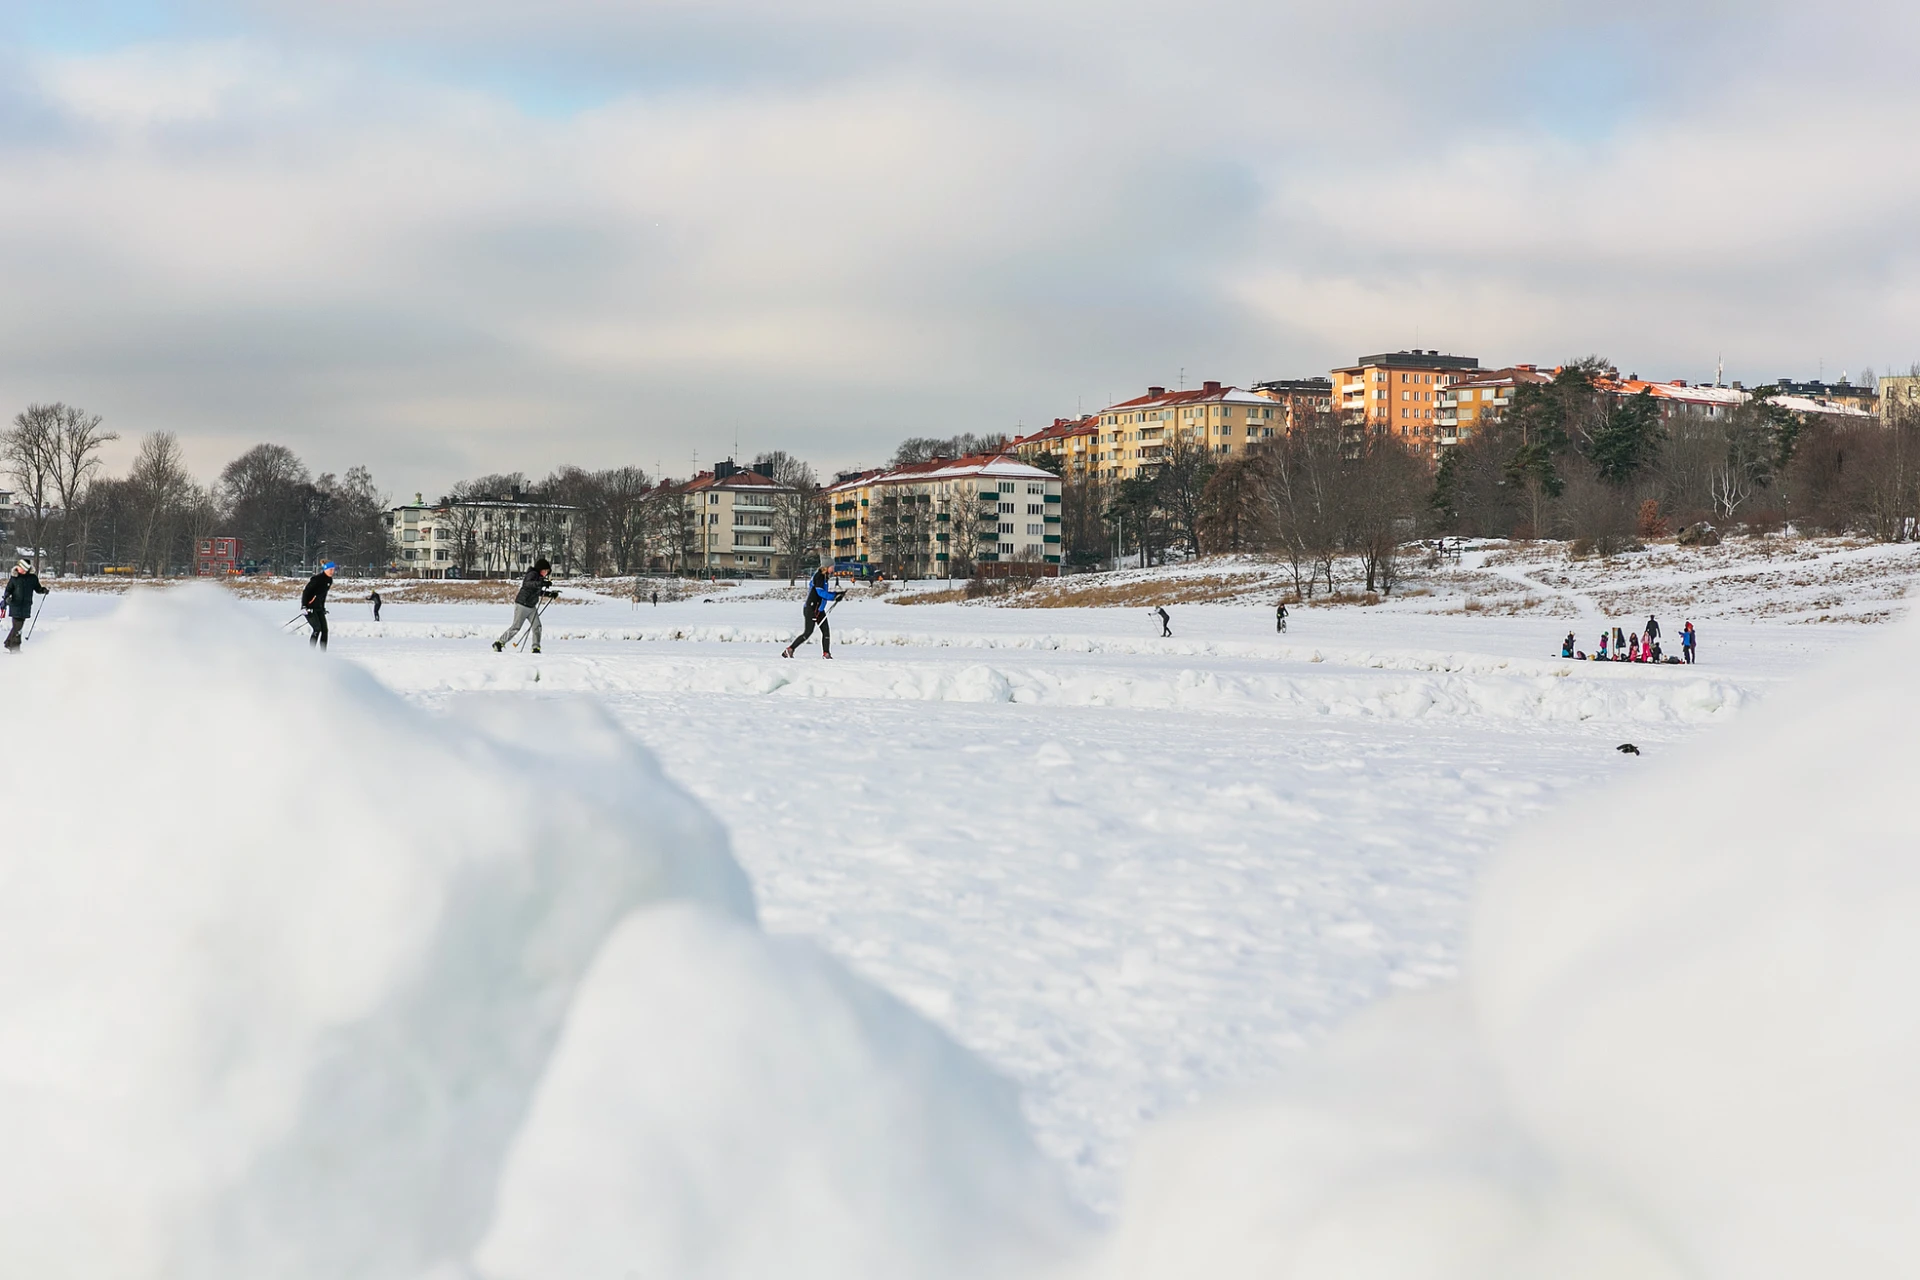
{"points": [[1416, 359]]}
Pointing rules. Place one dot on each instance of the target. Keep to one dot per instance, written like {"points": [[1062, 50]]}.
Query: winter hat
{"points": [[21, 566], [541, 563], [329, 565]]}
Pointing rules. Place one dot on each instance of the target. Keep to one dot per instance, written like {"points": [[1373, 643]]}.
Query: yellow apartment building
{"points": [[1465, 407], [1226, 421]]}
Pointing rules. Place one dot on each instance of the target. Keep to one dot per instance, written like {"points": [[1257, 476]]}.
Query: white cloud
{"points": [[347, 229]]}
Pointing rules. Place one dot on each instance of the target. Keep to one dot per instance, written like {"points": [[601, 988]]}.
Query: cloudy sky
{"points": [[442, 237]]}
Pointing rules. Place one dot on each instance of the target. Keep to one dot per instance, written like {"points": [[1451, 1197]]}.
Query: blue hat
{"points": [[329, 565]]}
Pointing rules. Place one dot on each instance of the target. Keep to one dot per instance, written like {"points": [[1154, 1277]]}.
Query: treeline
{"points": [[151, 519], [1569, 461], [1323, 492]]}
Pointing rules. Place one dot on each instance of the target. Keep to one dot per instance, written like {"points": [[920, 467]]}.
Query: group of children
{"points": [[1638, 646]]}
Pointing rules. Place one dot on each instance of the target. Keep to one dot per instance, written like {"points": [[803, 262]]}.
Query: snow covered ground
{"points": [[1133, 873]]}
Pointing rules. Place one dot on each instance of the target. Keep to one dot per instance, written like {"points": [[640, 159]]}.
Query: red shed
{"points": [[216, 557]]}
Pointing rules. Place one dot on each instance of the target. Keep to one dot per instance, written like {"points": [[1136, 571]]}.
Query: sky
{"points": [[442, 238]]}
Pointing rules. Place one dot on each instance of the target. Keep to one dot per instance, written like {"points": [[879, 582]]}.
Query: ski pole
{"points": [[34, 621], [295, 618], [538, 613]]}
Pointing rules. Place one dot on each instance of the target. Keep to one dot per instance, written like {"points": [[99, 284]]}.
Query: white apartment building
{"points": [[482, 537], [942, 517]]}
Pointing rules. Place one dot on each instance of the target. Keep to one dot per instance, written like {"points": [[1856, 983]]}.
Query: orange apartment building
{"points": [[1397, 393], [1465, 407], [1072, 440]]}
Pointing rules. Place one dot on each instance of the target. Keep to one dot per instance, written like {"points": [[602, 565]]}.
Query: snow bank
{"points": [[777, 1117], [1666, 699], [1685, 1046], [284, 962]]}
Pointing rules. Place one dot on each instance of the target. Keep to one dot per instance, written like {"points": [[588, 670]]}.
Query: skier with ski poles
{"points": [[373, 598], [821, 597], [1280, 616], [526, 604], [313, 603], [21, 586], [1166, 623]]}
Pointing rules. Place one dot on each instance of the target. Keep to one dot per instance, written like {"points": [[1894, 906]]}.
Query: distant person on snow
{"points": [[1633, 647], [656, 598], [1687, 642], [820, 594], [1166, 623], [526, 604], [1653, 630], [1566, 646], [374, 598], [22, 583], [1280, 616], [313, 601], [1619, 641], [1601, 653]]}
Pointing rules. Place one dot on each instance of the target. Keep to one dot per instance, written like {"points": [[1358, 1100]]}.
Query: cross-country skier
{"points": [[21, 585], [1280, 616], [314, 602], [1166, 623], [374, 597], [820, 594], [526, 604]]}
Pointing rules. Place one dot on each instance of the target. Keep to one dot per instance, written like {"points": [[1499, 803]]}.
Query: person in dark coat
{"points": [[314, 602], [526, 604], [1166, 623], [820, 594], [21, 586], [1652, 632], [1280, 616], [374, 596]]}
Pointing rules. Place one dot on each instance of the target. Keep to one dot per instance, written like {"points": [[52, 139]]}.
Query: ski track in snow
{"points": [[1130, 872]]}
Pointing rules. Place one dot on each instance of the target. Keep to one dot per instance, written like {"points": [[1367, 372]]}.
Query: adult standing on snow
{"points": [[21, 586], [374, 597], [1687, 642], [1280, 616], [820, 594], [526, 604], [1166, 623], [313, 602], [1652, 632]]}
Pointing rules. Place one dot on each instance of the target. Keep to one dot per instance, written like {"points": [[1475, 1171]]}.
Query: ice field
{"points": [[1131, 874]]}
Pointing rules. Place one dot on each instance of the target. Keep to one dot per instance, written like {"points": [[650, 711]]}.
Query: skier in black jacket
{"points": [[19, 596], [314, 601], [526, 604], [820, 594]]}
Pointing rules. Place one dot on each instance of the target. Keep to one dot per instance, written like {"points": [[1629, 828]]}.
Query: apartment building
{"points": [[1465, 407], [1397, 393], [1900, 397], [1678, 396], [481, 537], [945, 517], [1227, 422], [1301, 399], [1842, 393], [733, 509], [1074, 441]]}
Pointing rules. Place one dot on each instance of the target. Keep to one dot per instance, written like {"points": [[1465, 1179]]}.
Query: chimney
{"points": [[417, 502], [721, 470], [1210, 387], [1156, 392]]}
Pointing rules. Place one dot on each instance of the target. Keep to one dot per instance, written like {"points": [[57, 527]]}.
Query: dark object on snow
{"points": [[19, 594], [1699, 535], [821, 597], [1627, 749]]}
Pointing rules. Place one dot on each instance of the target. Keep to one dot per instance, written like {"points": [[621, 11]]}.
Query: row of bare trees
{"points": [[72, 518]]}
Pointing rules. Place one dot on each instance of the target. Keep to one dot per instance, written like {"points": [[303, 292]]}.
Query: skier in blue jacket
{"points": [[820, 594]]}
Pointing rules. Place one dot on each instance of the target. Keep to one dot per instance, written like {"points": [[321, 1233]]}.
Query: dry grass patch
{"points": [[1069, 593]]}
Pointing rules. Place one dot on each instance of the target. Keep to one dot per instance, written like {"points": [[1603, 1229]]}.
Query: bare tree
{"points": [[1180, 483], [31, 448], [162, 490], [681, 528], [960, 506], [78, 440]]}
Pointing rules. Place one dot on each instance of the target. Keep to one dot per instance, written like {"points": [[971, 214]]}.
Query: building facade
{"points": [[1900, 398], [1397, 393], [1842, 393], [1301, 399], [734, 510], [1469, 405], [1135, 435], [1074, 441], [482, 537], [947, 517]]}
